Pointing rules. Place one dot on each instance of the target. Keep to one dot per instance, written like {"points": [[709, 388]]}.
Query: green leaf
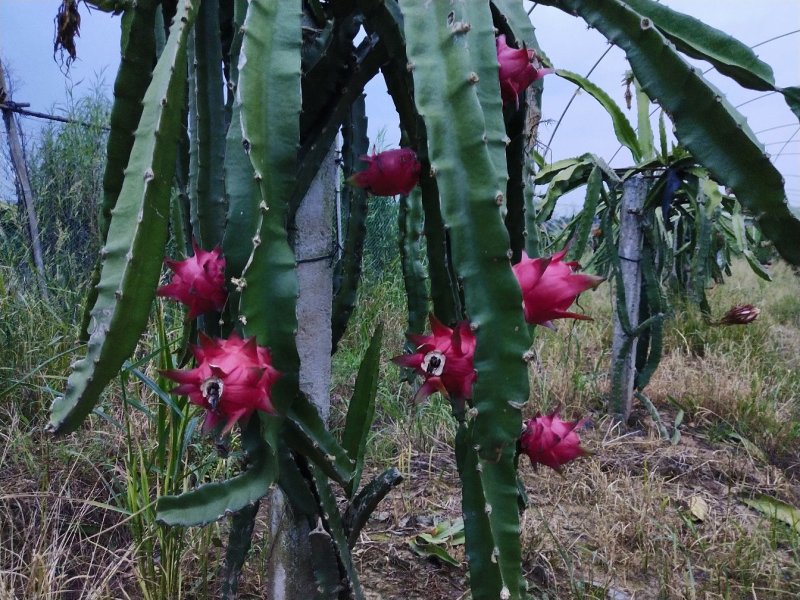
{"points": [[776, 509], [361, 409], [622, 127], [428, 550]]}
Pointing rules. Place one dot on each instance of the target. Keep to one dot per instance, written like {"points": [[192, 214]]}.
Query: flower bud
{"points": [[198, 282], [741, 314], [550, 286], [389, 173], [549, 441], [516, 70]]}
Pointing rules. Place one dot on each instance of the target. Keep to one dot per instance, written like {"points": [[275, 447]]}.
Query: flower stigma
{"points": [[433, 363], [212, 390]]}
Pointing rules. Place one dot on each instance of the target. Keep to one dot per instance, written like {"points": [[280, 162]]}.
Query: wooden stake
{"points": [[24, 187]]}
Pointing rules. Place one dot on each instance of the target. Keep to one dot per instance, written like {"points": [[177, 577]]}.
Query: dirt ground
{"points": [[592, 532]]}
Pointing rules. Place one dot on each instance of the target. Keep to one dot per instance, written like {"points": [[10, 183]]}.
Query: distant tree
{"points": [[66, 168]]}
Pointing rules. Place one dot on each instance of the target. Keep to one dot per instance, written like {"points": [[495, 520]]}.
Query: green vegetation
{"points": [[739, 388]]}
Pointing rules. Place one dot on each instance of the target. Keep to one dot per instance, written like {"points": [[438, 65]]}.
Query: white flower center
{"points": [[433, 363], [211, 389]]}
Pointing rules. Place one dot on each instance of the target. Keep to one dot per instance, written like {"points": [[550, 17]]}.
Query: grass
{"points": [[628, 520]]}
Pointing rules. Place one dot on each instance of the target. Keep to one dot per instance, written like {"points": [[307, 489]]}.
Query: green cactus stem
{"points": [[448, 47], [269, 94], [521, 128], [319, 139], [136, 238], [305, 432], [584, 227], [362, 506], [705, 122], [212, 501], [240, 537], [133, 77], [654, 301], [331, 521], [208, 136], [297, 484], [347, 272], [410, 226], [386, 19]]}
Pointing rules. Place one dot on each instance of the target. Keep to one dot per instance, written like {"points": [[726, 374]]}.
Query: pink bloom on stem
{"points": [[232, 379], [198, 282], [444, 359], [516, 70], [389, 173], [550, 286], [549, 441]]}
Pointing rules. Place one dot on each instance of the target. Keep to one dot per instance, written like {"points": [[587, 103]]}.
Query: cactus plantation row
{"points": [[224, 114]]}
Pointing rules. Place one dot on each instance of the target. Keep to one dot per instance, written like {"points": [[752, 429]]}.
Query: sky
{"points": [[26, 47]]}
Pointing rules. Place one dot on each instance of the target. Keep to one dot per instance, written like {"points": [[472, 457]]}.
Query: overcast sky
{"points": [[26, 46]]}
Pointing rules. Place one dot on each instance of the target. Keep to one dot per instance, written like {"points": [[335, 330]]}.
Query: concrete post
{"points": [[623, 365], [289, 571]]}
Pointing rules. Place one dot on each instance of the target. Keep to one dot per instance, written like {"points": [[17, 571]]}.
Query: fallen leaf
{"points": [[775, 509]]}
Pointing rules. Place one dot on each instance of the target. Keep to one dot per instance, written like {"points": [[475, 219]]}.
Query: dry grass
{"points": [[618, 525]]}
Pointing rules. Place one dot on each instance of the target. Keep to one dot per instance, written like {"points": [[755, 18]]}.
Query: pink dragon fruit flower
{"points": [[516, 70], [389, 173], [233, 378], [444, 359], [198, 282], [550, 286], [549, 441]]}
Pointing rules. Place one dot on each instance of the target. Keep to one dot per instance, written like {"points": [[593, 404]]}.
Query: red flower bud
{"points": [[444, 359], [232, 379], [741, 314], [516, 71], [550, 286], [389, 173], [549, 441], [198, 282]]}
